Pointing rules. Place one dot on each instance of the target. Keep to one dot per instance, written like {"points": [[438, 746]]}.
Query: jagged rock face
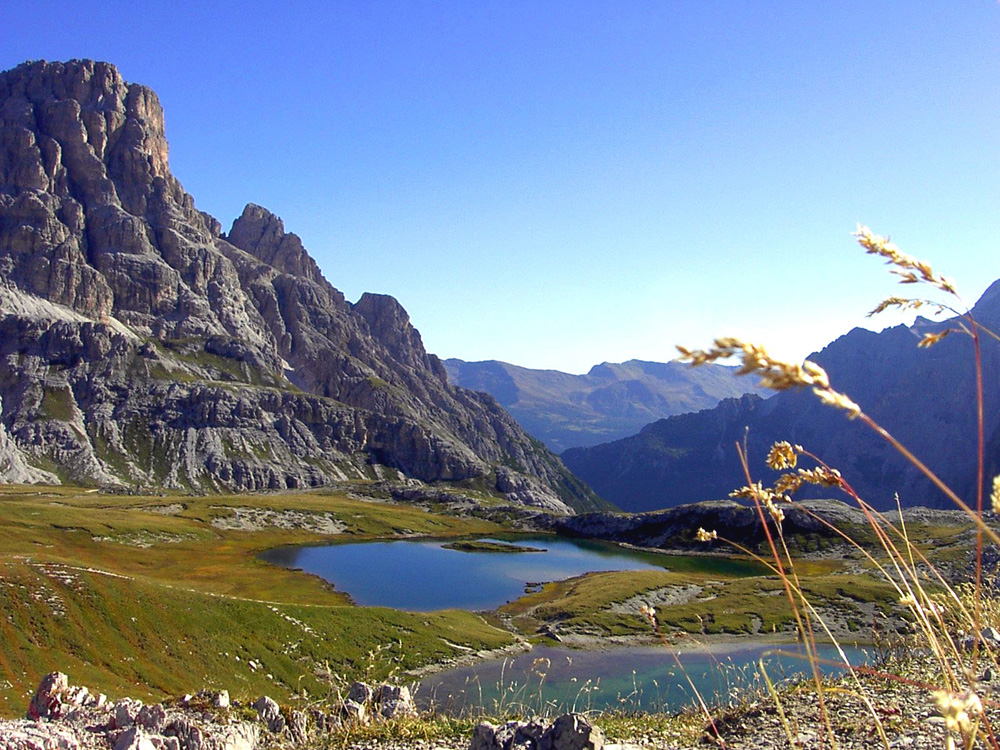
{"points": [[141, 345]]}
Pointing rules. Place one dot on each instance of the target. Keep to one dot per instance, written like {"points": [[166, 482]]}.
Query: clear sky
{"points": [[557, 184]]}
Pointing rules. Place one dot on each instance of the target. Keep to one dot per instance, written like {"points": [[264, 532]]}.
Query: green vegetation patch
{"points": [[134, 637], [608, 604], [57, 403], [481, 545]]}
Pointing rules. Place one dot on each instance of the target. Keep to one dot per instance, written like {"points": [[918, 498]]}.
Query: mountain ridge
{"points": [[142, 345], [924, 397], [611, 400]]}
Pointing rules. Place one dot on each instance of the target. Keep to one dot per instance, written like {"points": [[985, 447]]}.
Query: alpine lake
{"points": [[487, 574]]}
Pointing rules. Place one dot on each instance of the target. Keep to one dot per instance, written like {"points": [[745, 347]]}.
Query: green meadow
{"points": [[143, 596]]}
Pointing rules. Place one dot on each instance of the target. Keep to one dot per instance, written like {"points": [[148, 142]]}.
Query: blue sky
{"points": [[557, 184]]}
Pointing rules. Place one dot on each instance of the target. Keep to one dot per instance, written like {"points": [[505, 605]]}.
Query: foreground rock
{"points": [[68, 717], [568, 732]]}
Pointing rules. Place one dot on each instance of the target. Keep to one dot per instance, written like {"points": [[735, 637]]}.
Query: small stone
{"points": [[151, 718], [134, 739], [353, 712], [125, 712], [395, 701], [221, 699], [299, 727], [188, 734], [360, 692]]}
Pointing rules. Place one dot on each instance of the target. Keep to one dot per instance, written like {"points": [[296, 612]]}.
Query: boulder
{"points": [[394, 701], [572, 732], [151, 718], [568, 732], [360, 692], [125, 712], [47, 702], [134, 739], [270, 713]]}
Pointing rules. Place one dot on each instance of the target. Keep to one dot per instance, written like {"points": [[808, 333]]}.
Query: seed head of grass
{"points": [[958, 709], [930, 339], [909, 269], [773, 373], [790, 483], [783, 455], [766, 497], [995, 495], [707, 536]]}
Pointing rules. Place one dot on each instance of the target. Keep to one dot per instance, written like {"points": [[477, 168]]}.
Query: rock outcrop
{"points": [[67, 717], [568, 732], [141, 345]]}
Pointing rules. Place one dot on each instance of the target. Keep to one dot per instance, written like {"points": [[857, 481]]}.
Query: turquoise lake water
{"points": [[628, 678]]}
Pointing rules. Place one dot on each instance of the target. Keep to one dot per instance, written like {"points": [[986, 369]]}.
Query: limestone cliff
{"points": [[141, 345]]}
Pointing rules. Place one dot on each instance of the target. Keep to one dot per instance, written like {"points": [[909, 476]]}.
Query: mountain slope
{"points": [[141, 345], [924, 397], [611, 401]]}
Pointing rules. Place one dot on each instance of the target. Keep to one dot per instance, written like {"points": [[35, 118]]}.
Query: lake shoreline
{"points": [[716, 644]]}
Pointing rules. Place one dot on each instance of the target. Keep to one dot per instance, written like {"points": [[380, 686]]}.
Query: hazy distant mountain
{"points": [[609, 402], [925, 397], [141, 345]]}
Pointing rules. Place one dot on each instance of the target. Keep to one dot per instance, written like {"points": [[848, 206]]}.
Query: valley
{"points": [[191, 417], [157, 595]]}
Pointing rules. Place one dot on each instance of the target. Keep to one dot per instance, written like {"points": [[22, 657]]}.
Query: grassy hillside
{"points": [[143, 596]]}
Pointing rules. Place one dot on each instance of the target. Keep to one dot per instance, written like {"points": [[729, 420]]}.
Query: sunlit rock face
{"points": [[142, 345]]}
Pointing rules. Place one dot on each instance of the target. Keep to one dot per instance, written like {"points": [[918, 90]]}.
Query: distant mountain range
{"points": [[609, 402], [143, 346], [924, 397]]}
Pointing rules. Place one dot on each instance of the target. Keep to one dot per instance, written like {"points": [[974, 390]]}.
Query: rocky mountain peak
{"points": [[141, 346], [262, 234], [390, 324]]}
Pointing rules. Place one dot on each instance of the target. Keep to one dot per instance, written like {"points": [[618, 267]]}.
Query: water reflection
{"points": [[420, 575]]}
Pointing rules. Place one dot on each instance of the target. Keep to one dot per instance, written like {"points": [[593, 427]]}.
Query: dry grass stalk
{"points": [[943, 615]]}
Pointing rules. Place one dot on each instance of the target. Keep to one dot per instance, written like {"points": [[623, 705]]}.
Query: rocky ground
{"points": [[896, 706]]}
